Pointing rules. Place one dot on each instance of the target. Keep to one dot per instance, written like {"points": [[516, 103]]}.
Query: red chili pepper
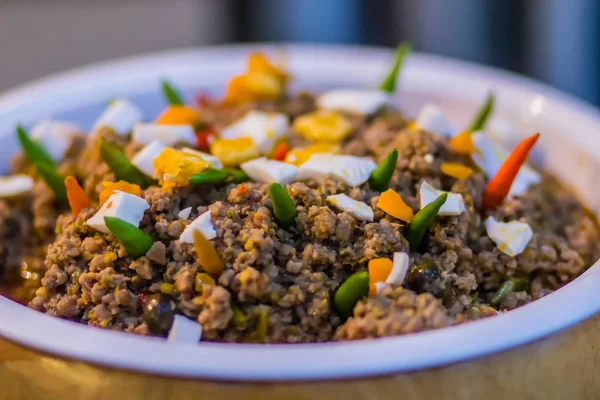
{"points": [[280, 151], [204, 138], [498, 187], [143, 298]]}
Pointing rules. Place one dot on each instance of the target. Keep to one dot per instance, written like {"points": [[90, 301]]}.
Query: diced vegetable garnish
{"points": [[509, 286], [173, 168], [204, 138], [359, 101], [55, 137], [14, 185], [202, 224], [299, 156], [454, 205], [209, 176], [236, 175], [184, 330], [265, 129], [284, 208], [172, 95], [422, 221], [179, 115], [379, 270], [382, 175], [120, 116], [462, 143], [357, 209], [207, 255], [124, 206], [269, 171], [78, 200], [144, 159], [234, 152], [280, 151], [399, 268], [432, 119], [120, 165], [391, 203], [133, 239], [323, 126], [54, 180], [33, 151], [350, 292], [109, 188], [456, 170], [169, 135], [510, 237], [483, 114], [389, 83]]}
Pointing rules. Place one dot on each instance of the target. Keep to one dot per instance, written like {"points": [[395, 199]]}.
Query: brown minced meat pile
{"points": [[288, 277]]}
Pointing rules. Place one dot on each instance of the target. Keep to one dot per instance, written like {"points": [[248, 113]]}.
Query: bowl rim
{"points": [[571, 304]]}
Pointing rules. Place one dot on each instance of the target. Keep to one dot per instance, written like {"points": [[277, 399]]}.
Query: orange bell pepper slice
{"points": [[379, 270], [78, 200], [391, 202], [456, 170]]}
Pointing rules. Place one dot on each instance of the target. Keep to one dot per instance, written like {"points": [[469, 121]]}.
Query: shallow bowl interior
{"points": [[568, 148]]}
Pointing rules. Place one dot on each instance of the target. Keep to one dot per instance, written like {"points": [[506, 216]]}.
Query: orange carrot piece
{"points": [[207, 255], [391, 202], [463, 143], [498, 187], [456, 170], [280, 151], [78, 200], [379, 270], [111, 187], [178, 115]]}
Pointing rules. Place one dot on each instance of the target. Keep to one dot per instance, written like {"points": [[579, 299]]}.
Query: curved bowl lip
{"points": [[559, 310]]}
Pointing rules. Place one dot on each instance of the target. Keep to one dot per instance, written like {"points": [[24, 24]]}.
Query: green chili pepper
{"points": [[209, 176], [236, 175], [34, 151], [54, 180], [237, 318], [171, 94], [135, 241], [483, 114], [381, 176], [389, 83], [511, 285], [121, 166], [351, 292], [259, 334], [283, 206], [422, 220]]}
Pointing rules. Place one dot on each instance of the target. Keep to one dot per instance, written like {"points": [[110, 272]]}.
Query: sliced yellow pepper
{"points": [[207, 255], [233, 152], [178, 115], [463, 143], [323, 126], [110, 187], [299, 156], [455, 170], [391, 202], [173, 168], [258, 62]]}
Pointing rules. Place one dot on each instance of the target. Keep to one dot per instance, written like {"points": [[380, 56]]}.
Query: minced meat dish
{"points": [[273, 217]]}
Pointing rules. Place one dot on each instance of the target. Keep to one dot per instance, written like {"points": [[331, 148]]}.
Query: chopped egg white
{"points": [[350, 169], [399, 268], [432, 119], [358, 100], [454, 204], [55, 136], [144, 159], [490, 157], [184, 330], [214, 161], [167, 134], [511, 238], [202, 224], [357, 209], [121, 116], [428, 158], [269, 171], [263, 128], [15, 185], [125, 206], [185, 213]]}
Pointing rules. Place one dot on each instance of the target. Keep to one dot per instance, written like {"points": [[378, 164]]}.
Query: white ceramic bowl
{"points": [[568, 148]]}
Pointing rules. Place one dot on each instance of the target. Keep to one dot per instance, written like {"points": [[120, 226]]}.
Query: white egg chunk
{"points": [[167, 134], [185, 213], [14, 185], [360, 101], [144, 159], [55, 136], [350, 169], [511, 238], [432, 119], [202, 224], [399, 268], [265, 129], [184, 330], [454, 204], [214, 161], [125, 206], [268, 171], [121, 116], [491, 155], [357, 209]]}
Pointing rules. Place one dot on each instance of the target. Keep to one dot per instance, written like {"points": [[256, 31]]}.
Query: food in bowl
{"points": [[279, 218]]}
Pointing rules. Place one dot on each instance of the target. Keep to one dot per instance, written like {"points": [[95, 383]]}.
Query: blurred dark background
{"points": [[555, 41]]}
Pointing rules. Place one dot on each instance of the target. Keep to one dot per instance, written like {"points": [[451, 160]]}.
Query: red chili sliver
{"points": [[203, 139], [280, 151]]}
